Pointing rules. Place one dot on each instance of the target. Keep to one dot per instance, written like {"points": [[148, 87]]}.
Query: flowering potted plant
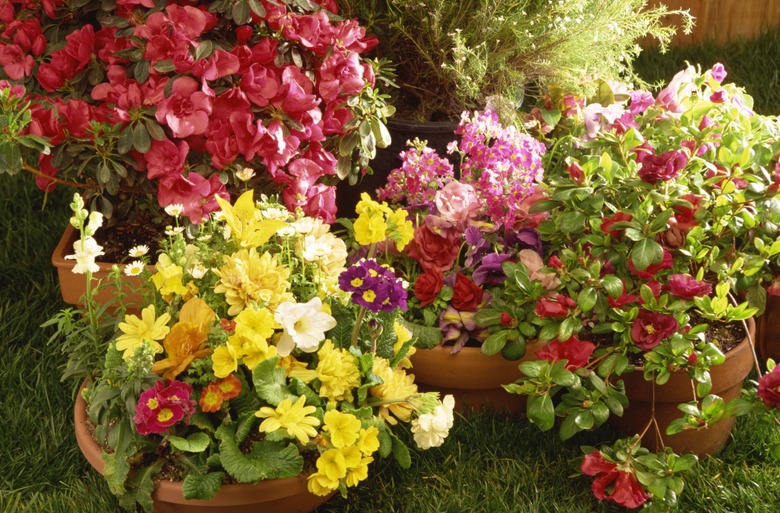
{"points": [[177, 102], [662, 231], [258, 356], [465, 227]]}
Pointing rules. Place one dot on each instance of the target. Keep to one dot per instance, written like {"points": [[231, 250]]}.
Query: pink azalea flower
{"points": [[187, 110], [687, 287], [577, 352], [612, 483]]}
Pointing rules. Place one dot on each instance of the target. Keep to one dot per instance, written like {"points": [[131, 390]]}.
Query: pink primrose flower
{"points": [[163, 406]]}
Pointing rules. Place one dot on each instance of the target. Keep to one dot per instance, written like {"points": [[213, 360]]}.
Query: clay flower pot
{"points": [[727, 381], [471, 377], [288, 495], [768, 331], [73, 286]]}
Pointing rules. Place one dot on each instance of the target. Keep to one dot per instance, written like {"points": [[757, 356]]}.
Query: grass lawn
{"points": [[487, 465]]}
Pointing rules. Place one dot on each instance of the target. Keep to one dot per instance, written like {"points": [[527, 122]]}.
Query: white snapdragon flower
{"points": [[95, 222], [86, 251], [430, 429], [304, 326]]}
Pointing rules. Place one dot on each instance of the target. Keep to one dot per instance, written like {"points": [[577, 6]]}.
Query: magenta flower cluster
{"points": [[160, 407], [374, 286], [422, 173]]}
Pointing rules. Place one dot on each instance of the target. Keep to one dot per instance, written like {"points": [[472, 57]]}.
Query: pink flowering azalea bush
{"points": [[262, 349], [661, 222], [184, 102], [466, 225]]}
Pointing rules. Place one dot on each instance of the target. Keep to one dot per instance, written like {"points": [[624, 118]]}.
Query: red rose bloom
{"points": [[769, 387], [427, 286], [625, 488], [688, 287], [466, 295], [650, 328], [432, 251], [577, 352]]}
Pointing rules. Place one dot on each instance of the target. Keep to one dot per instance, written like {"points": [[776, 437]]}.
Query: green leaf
{"points": [[584, 419], [401, 453], [196, 442], [540, 411], [257, 7], [613, 285], [240, 12], [646, 252], [572, 222], [427, 337], [587, 298], [268, 460], [271, 382], [569, 427], [202, 486], [141, 140], [494, 343]]}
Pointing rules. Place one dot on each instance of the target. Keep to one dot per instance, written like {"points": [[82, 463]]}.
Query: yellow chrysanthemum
{"points": [[344, 428], [338, 373], [135, 331], [168, 278], [320, 484], [247, 277], [398, 386], [292, 417], [370, 228], [368, 440]]}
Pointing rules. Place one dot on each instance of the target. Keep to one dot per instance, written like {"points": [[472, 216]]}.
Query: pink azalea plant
{"points": [[661, 221], [185, 100]]}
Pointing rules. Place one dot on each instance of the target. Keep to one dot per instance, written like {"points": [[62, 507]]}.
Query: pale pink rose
{"points": [[457, 202], [534, 263]]}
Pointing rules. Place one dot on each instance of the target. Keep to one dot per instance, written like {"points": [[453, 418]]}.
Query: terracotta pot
{"points": [[768, 331], [727, 380], [437, 133], [73, 286], [288, 495], [471, 377]]}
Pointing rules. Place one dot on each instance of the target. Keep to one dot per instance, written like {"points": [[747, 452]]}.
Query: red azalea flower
{"points": [[432, 251], [556, 307], [685, 215], [769, 387], [651, 270], [650, 328], [619, 217], [685, 286], [466, 295], [625, 489], [577, 352], [664, 167]]}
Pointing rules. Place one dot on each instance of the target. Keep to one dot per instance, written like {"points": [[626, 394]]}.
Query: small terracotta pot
{"points": [[73, 286], [471, 377], [727, 380], [768, 331], [288, 495]]}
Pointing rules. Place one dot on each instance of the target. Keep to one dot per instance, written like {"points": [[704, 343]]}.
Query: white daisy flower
{"points": [[174, 209], [134, 268], [171, 231], [279, 214], [304, 225], [198, 271], [138, 251]]}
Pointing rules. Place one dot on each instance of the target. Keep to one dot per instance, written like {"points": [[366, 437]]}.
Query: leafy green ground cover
{"points": [[487, 465]]}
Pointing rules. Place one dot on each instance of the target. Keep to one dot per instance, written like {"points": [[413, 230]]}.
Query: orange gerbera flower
{"points": [[187, 338]]}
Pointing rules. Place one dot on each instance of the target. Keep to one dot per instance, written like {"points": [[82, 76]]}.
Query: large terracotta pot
{"points": [[73, 286], [437, 133], [727, 380], [288, 495], [768, 331], [471, 377]]}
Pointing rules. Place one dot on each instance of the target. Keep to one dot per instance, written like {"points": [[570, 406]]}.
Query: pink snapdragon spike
{"points": [[613, 483]]}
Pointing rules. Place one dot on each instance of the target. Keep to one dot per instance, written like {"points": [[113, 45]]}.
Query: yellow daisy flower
{"points": [[135, 330], [294, 418]]}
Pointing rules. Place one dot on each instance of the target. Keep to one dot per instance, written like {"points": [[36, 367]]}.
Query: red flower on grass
{"points": [[612, 483], [769, 387]]}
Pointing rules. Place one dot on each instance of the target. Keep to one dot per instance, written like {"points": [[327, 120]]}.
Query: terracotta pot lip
{"points": [[64, 247], [742, 345]]}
